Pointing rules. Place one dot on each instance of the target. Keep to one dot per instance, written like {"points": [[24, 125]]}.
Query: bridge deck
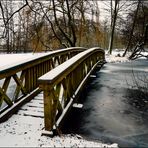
{"points": [[24, 127], [34, 108]]}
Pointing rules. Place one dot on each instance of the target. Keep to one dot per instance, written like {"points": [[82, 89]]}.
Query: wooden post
{"points": [[48, 118]]}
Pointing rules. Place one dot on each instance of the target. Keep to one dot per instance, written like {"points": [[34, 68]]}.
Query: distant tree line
{"points": [[48, 25], [38, 25]]}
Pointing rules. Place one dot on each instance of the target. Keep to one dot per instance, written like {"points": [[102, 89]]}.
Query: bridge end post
{"points": [[48, 116]]}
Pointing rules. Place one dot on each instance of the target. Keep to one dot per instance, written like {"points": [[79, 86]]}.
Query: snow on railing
{"points": [[18, 82], [62, 84]]}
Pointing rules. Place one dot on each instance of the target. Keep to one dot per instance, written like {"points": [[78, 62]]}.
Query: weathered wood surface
{"points": [[62, 84]]}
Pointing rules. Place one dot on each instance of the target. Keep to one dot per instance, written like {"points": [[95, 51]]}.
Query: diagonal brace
{"points": [[5, 97], [19, 83]]}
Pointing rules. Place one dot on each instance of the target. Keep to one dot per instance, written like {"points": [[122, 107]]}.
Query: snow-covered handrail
{"points": [[56, 56], [22, 77], [63, 83]]}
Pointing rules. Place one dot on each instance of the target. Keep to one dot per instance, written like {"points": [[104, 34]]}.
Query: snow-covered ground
{"points": [[21, 132], [116, 56], [26, 131], [9, 59]]}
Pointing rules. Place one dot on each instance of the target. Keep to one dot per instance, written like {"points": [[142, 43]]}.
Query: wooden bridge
{"points": [[56, 79]]}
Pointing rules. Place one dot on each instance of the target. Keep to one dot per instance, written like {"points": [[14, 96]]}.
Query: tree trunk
{"points": [[113, 23], [132, 30]]}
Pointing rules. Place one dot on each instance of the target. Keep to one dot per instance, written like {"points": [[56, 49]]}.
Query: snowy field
{"points": [[9, 59], [19, 132]]}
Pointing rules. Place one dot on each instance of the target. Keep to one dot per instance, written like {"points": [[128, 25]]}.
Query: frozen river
{"points": [[113, 110]]}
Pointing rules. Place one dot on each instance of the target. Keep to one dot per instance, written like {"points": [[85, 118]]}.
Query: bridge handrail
{"points": [[25, 75], [21, 65], [59, 83], [60, 71]]}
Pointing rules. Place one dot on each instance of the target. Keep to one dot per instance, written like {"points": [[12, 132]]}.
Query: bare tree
{"points": [[8, 14], [45, 25], [139, 48], [113, 23], [132, 29]]}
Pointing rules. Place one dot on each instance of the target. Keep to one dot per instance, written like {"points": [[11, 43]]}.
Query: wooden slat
{"points": [[18, 88], [31, 113], [6, 84], [4, 88], [36, 109], [27, 81], [19, 83], [5, 97]]}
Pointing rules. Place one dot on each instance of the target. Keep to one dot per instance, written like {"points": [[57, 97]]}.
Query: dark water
{"points": [[114, 111]]}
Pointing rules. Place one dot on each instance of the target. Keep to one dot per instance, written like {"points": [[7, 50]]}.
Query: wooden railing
{"points": [[62, 84], [18, 82]]}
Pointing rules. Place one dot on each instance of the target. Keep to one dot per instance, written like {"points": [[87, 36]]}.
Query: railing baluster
{"points": [[27, 80], [19, 83]]}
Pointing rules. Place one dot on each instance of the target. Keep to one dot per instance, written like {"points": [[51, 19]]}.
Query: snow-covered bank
{"points": [[116, 56]]}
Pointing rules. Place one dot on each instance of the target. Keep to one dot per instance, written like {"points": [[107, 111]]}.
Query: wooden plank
{"points": [[31, 105], [5, 115], [31, 113], [35, 104], [39, 98], [35, 101], [37, 109]]}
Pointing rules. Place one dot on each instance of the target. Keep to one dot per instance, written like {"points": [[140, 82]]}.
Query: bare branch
{"points": [[26, 4]]}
